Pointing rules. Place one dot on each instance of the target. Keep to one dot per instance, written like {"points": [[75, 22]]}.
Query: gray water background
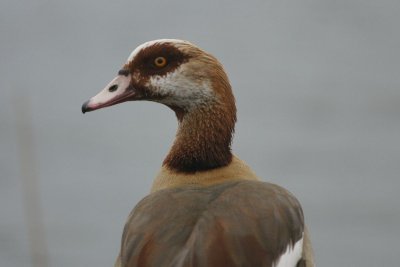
{"points": [[318, 93]]}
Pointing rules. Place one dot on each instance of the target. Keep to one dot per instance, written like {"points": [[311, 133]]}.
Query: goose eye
{"points": [[160, 62]]}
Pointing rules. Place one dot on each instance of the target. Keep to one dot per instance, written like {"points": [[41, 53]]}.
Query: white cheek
{"points": [[291, 256], [181, 90]]}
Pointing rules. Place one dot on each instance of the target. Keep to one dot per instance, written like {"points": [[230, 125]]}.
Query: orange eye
{"points": [[160, 62]]}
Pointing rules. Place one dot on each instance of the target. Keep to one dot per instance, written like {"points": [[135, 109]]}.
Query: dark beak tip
{"points": [[85, 107]]}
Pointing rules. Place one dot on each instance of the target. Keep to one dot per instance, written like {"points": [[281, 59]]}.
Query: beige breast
{"points": [[236, 170]]}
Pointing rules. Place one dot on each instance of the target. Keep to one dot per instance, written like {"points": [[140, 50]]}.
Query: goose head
{"points": [[169, 71], [192, 83]]}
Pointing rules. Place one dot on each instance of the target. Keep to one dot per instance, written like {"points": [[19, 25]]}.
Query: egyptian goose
{"points": [[206, 206]]}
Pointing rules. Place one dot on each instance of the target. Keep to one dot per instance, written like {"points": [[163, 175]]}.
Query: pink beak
{"points": [[117, 91]]}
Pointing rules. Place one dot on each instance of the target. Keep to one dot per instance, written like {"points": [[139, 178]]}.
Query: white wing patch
{"points": [[291, 256]]}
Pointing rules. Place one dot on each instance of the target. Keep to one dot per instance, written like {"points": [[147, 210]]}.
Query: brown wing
{"points": [[240, 223]]}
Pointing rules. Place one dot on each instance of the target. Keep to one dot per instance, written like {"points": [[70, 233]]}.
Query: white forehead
{"points": [[150, 43]]}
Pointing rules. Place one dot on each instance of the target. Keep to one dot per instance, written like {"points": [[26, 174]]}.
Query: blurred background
{"points": [[318, 93]]}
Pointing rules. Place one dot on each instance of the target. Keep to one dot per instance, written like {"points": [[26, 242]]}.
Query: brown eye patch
{"points": [[158, 59]]}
